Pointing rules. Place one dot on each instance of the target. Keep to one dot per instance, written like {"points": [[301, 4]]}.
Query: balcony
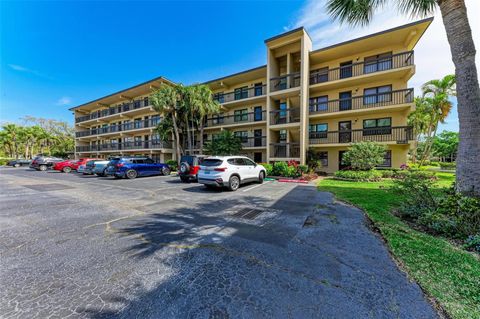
{"points": [[363, 102], [238, 119], [134, 125], [285, 150], [240, 94], [399, 135], [114, 110], [125, 146], [286, 116], [253, 141], [284, 82], [395, 61]]}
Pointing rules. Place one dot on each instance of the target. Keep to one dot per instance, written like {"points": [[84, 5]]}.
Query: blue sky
{"points": [[55, 55]]}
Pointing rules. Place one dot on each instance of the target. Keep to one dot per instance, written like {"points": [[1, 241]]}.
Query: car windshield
{"points": [[211, 162]]}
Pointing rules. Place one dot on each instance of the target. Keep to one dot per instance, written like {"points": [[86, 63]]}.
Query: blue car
{"points": [[132, 167]]}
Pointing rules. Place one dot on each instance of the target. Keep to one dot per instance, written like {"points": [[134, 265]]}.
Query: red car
{"points": [[71, 165]]}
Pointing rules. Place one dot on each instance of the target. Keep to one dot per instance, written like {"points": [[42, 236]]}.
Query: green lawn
{"points": [[446, 272]]}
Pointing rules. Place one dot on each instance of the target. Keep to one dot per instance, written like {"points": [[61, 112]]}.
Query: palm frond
{"points": [[417, 8], [354, 12]]}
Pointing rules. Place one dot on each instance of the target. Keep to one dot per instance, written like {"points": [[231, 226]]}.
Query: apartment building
{"points": [[302, 101]]}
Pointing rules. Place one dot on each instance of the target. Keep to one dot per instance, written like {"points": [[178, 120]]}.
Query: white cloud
{"points": [[432, 53], [65, 100], [21, 68]]}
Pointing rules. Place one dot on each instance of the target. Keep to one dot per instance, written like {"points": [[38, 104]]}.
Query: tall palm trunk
{"points": [[177, 138], [459, 34], [202, 127]]}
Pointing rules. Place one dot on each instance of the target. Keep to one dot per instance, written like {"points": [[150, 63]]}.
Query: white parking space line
{"points": [[248, 189]]}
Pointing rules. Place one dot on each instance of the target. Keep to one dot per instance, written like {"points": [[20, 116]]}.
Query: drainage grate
{"points": [[48, 187], [248, 213]]}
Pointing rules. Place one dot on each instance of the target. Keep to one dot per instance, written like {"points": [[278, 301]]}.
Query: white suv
{"points": [[229, 171]]}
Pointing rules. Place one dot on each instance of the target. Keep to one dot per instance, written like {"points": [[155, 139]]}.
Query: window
{"points": [[379, 94], [258, 89], [137, 140], [137, 123], [318, 130], [136, 104], [257, 113], [219, 97], [377, 126], [379, 62], [283, 136], [249, 162], [283, 113], [319, 103], [323, 158], [145, 101], [319, 76], [242, 135], [240, 115], [241, 93], [387, 159], [155, 120], [149, 161], [217, 119], [346, 70], [139, 161]]}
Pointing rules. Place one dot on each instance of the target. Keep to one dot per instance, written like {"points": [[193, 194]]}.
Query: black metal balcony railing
{"points": [[151, 144], [398, 134], [235, 119], [114, 110], [240, 94], [285, 150], [134, 125], [363, 102], [247, 141], [284, 82], [286, 116], [394, 61]]}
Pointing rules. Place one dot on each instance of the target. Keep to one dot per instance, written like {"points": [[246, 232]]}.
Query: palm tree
{"points": [[420, 120], [204, 106], [166, 101], [437, 93], [12, 135], [459, 34]]}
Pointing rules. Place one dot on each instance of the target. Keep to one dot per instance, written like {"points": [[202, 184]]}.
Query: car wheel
{"points": [[166, 171], [42, 168], [261, 177], [131, 174], [66, 169], [16, 165], [233, 183]]}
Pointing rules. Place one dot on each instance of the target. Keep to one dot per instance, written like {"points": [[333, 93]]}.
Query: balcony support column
{"points": [[306, 47]]}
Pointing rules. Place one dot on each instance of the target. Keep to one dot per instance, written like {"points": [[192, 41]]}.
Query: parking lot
{"points": [[84, 246]]}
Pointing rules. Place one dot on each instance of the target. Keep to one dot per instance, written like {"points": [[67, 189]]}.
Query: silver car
{"points": [[100, 167]]}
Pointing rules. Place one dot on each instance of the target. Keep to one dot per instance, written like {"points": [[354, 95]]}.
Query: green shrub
{"points": [[366, 176], [433, 163], [291, 171], [303, 169], [4, 161], [279, 169], [387, 173], [447, 165], [268, 168], [442, 211], [473, 243], [364, 156], [173, 164]]}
